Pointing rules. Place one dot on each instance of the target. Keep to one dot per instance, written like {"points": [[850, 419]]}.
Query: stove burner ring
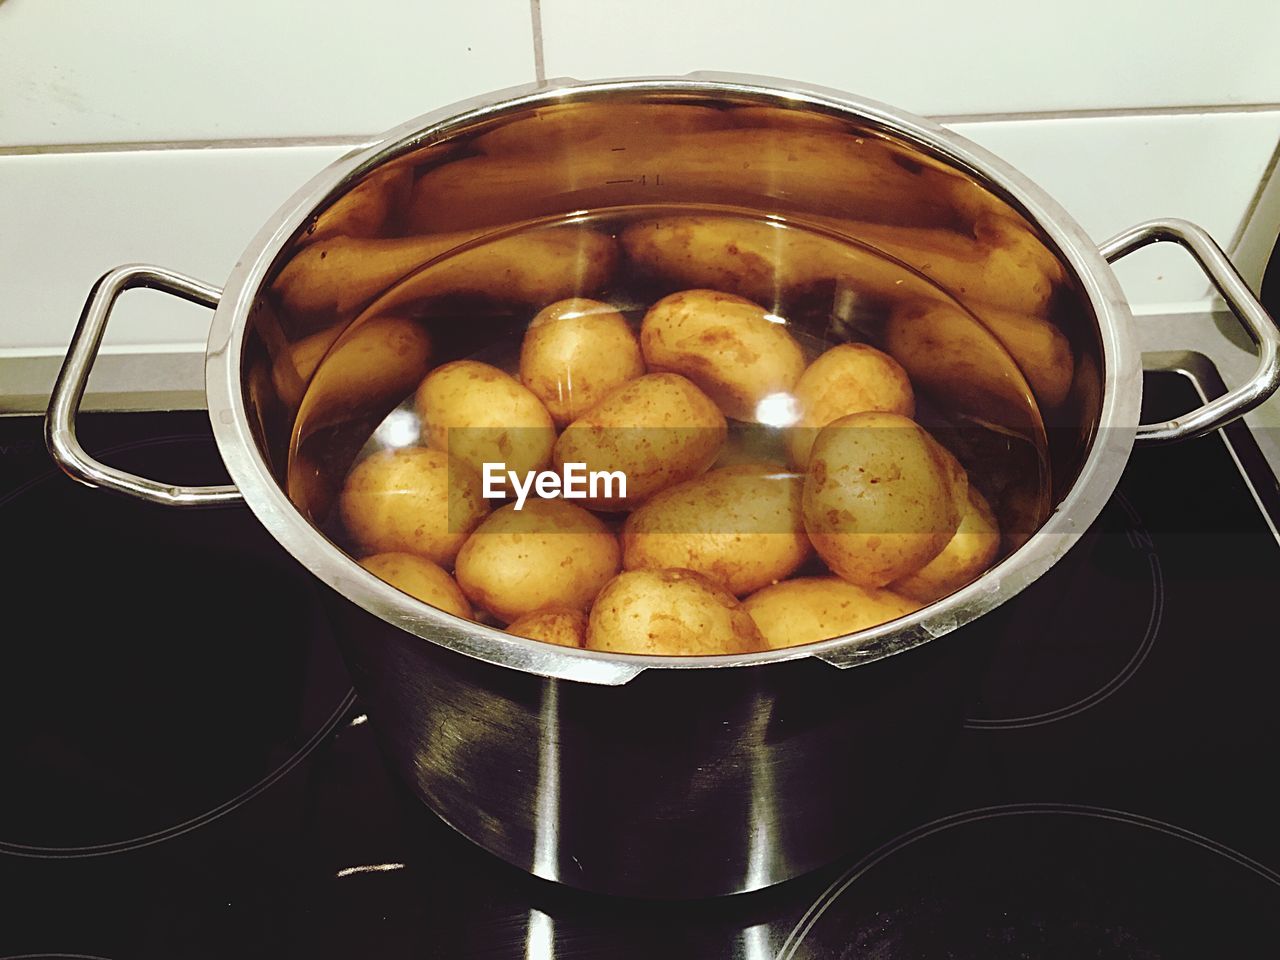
{"points": [[44, 852], [209, 816], [1140, 540], [924, 831]]}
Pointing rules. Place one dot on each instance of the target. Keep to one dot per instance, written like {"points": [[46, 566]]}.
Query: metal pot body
{"points": [[678, 784], [656, 776]]}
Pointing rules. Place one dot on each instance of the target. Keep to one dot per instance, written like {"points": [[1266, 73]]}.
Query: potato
{"points": [[420, 578], [481, 415], [969, 553], [364, 211], [882, 498], [734, 350], [950, 355], [809, 609], [763, 260], [341, 274], [999, 262], [669, 613], [809, 171], [412, 500], [369, 369], [849, 378], [567, 628], [1041, 351], [658, 430], [740, 526], [574, 352], [549, 554]]}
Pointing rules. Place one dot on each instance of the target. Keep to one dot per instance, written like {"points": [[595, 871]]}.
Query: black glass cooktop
{"points": [[184, 771]]}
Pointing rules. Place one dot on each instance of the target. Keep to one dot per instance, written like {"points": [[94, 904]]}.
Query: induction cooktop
{"points": [[187, 773]]}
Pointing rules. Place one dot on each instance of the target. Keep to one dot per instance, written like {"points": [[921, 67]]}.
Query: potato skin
{"points": [[740, 526], [412, 500], [973, 549], [421, 579], [669, 613], [659, 430], [371, 368], [576, 351], [479, 414], [882, 498], [809, 609], [549, 554], [724, 344], [848, 378], [566, 628]]}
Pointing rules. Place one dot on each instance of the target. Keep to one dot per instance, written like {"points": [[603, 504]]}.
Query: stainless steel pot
{"points": [[651, 776]]}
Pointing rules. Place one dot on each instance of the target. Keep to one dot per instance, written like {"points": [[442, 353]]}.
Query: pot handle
{"points": [[1265, 380], [68, 390]]}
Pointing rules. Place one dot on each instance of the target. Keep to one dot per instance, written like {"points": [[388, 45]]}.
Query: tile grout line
{"points": [[539, 58], [1255, 201], [232, 143], [1102, 113]]}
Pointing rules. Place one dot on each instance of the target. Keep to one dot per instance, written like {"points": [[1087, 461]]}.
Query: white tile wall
{"points": [[1113, 172], [940, 56], [142, 70], [71, 217], [86, 71]]}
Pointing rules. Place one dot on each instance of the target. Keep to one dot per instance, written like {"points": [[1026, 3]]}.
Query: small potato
{"points": [[412, 500], [481, 415], [420, 578], [740, 526], [882, 498], [1040, 349], [669, 613], [809, 609], [960, 363], [567, 628], [366, 209], [549, 554], [340, 274], [576, 351], [658, 430], [369, 369], [726, 345], [849, 378], [968, 554]]}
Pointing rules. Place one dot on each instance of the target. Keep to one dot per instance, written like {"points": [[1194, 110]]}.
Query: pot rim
{"points": [[1108, 452]]}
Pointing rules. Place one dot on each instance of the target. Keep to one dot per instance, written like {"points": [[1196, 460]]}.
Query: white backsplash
{"points": [[1172, 125]]}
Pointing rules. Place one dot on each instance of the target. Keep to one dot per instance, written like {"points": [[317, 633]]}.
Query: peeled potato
{"points": [[576, 351], [412, 500], [669, 613], [371, 367], [740, 526], [733, 349], [481, 415], [849, 378], [882, 498], [420, 578], [567, 628], [973, 548], [809, 609], [548, 554], [657, 430]]}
